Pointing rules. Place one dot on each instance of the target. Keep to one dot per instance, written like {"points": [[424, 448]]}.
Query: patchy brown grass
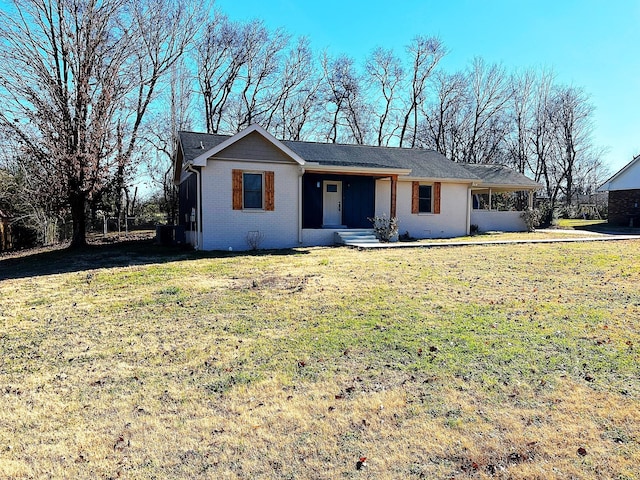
{"points": [[516, 362]]}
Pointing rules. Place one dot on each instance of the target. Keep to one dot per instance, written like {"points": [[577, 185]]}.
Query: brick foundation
{"points": [[624, 207]]}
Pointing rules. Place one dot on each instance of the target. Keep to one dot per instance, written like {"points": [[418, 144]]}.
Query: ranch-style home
{"points": [[251, 190], [624, 195]]}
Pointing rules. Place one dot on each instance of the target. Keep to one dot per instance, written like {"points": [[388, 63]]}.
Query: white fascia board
{"points": [[201, 160], [314, 167], [184, 174], [506, 188], [441, 180]]}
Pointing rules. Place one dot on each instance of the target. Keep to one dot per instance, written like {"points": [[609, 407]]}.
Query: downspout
{"points": [[469, 200], [198, 210], [300, 205]]}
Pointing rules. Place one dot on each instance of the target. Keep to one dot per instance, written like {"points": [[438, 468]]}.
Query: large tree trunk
{"points": [[78, 205]]}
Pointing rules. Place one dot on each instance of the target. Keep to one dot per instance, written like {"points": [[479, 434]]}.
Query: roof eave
{"points": [[413, 178], [508, 186], [315, 167]]}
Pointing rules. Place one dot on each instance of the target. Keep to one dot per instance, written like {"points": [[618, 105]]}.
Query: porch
{"points": [[500, 209], [334, 201]]}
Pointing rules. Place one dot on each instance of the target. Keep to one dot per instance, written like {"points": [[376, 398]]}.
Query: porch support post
{"points": [[489, 199], [394, 193], [530, 199]]}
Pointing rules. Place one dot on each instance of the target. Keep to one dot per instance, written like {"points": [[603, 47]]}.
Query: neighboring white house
{"points": [[624, 195], [252, 190]]}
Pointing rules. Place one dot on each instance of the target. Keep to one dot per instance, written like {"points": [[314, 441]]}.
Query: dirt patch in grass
{"points": [[514, 361]]}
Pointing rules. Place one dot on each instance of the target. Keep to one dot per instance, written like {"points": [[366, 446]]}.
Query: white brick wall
{"points": [[494, 220], [224, 227], [450, 222]]}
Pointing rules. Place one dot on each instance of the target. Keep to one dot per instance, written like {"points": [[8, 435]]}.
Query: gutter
{"points": [[300, 175], [469, 207], [198, 202]]}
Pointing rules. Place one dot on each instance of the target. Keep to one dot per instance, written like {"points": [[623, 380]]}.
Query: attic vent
{"points": [[201, 145]]}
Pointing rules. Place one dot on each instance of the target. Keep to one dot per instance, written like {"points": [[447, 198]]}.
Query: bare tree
{"points": [[77, 77], [297, 93], [344, 99], [487, 97], [60, 73], [385, 75], [541, 132], [220, 58], [573, 117], [442, 129], [518, 144], [259, 79], [161, 136], [165, 29], [425, 53]]}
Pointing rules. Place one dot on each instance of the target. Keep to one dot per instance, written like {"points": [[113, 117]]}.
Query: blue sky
{"points": [[590, 44]]}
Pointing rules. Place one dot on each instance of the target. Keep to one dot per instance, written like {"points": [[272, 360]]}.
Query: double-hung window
{"points": [[424, 198], [252, 188]]}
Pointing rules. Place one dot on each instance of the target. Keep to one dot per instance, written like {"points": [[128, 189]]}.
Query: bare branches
{"points": [[424, 53], [77, 78], [385, 78]]}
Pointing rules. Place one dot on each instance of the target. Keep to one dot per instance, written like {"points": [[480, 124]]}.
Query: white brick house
{"points": [[251, 190]]}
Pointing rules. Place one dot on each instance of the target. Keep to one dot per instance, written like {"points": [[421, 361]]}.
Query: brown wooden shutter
{"points": [[236, 185], [269, 194], [415, 197], [436, 197]]}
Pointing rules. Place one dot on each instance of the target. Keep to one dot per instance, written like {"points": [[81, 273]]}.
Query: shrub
{"points": [[254, 239], [385, 228], [531, 217]]}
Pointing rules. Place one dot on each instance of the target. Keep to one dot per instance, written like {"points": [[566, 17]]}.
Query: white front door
{"points": [[331, 203]]}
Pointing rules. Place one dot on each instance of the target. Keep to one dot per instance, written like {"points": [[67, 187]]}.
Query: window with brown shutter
{"points": [[253, 190], [415, 199], [269, 194], [436, 197], [425, 198], [236, 182]]}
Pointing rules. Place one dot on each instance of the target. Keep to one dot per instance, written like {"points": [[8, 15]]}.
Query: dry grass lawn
{"points": [[513, 362]]}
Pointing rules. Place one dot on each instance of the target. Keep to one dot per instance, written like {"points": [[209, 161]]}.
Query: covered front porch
{"points": [[334, 202], [341, 201]]}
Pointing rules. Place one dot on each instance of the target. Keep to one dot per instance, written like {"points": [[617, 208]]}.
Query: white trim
{"points": [[505, 188], [201, 160], [408, 178], [314, 168]]}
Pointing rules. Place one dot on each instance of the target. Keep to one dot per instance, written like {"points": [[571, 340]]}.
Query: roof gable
{"points": [[253, 147], [201, 160], [627, 178]]}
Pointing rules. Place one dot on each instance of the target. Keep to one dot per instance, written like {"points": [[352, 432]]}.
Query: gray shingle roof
{"points": [[422, 163], [192, 143], [499, 175]]}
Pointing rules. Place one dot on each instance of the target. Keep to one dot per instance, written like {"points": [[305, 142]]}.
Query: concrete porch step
{"points": [[355, 236]]}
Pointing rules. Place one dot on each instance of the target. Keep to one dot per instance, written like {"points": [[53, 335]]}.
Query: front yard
{"points": [[500, 361]]}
